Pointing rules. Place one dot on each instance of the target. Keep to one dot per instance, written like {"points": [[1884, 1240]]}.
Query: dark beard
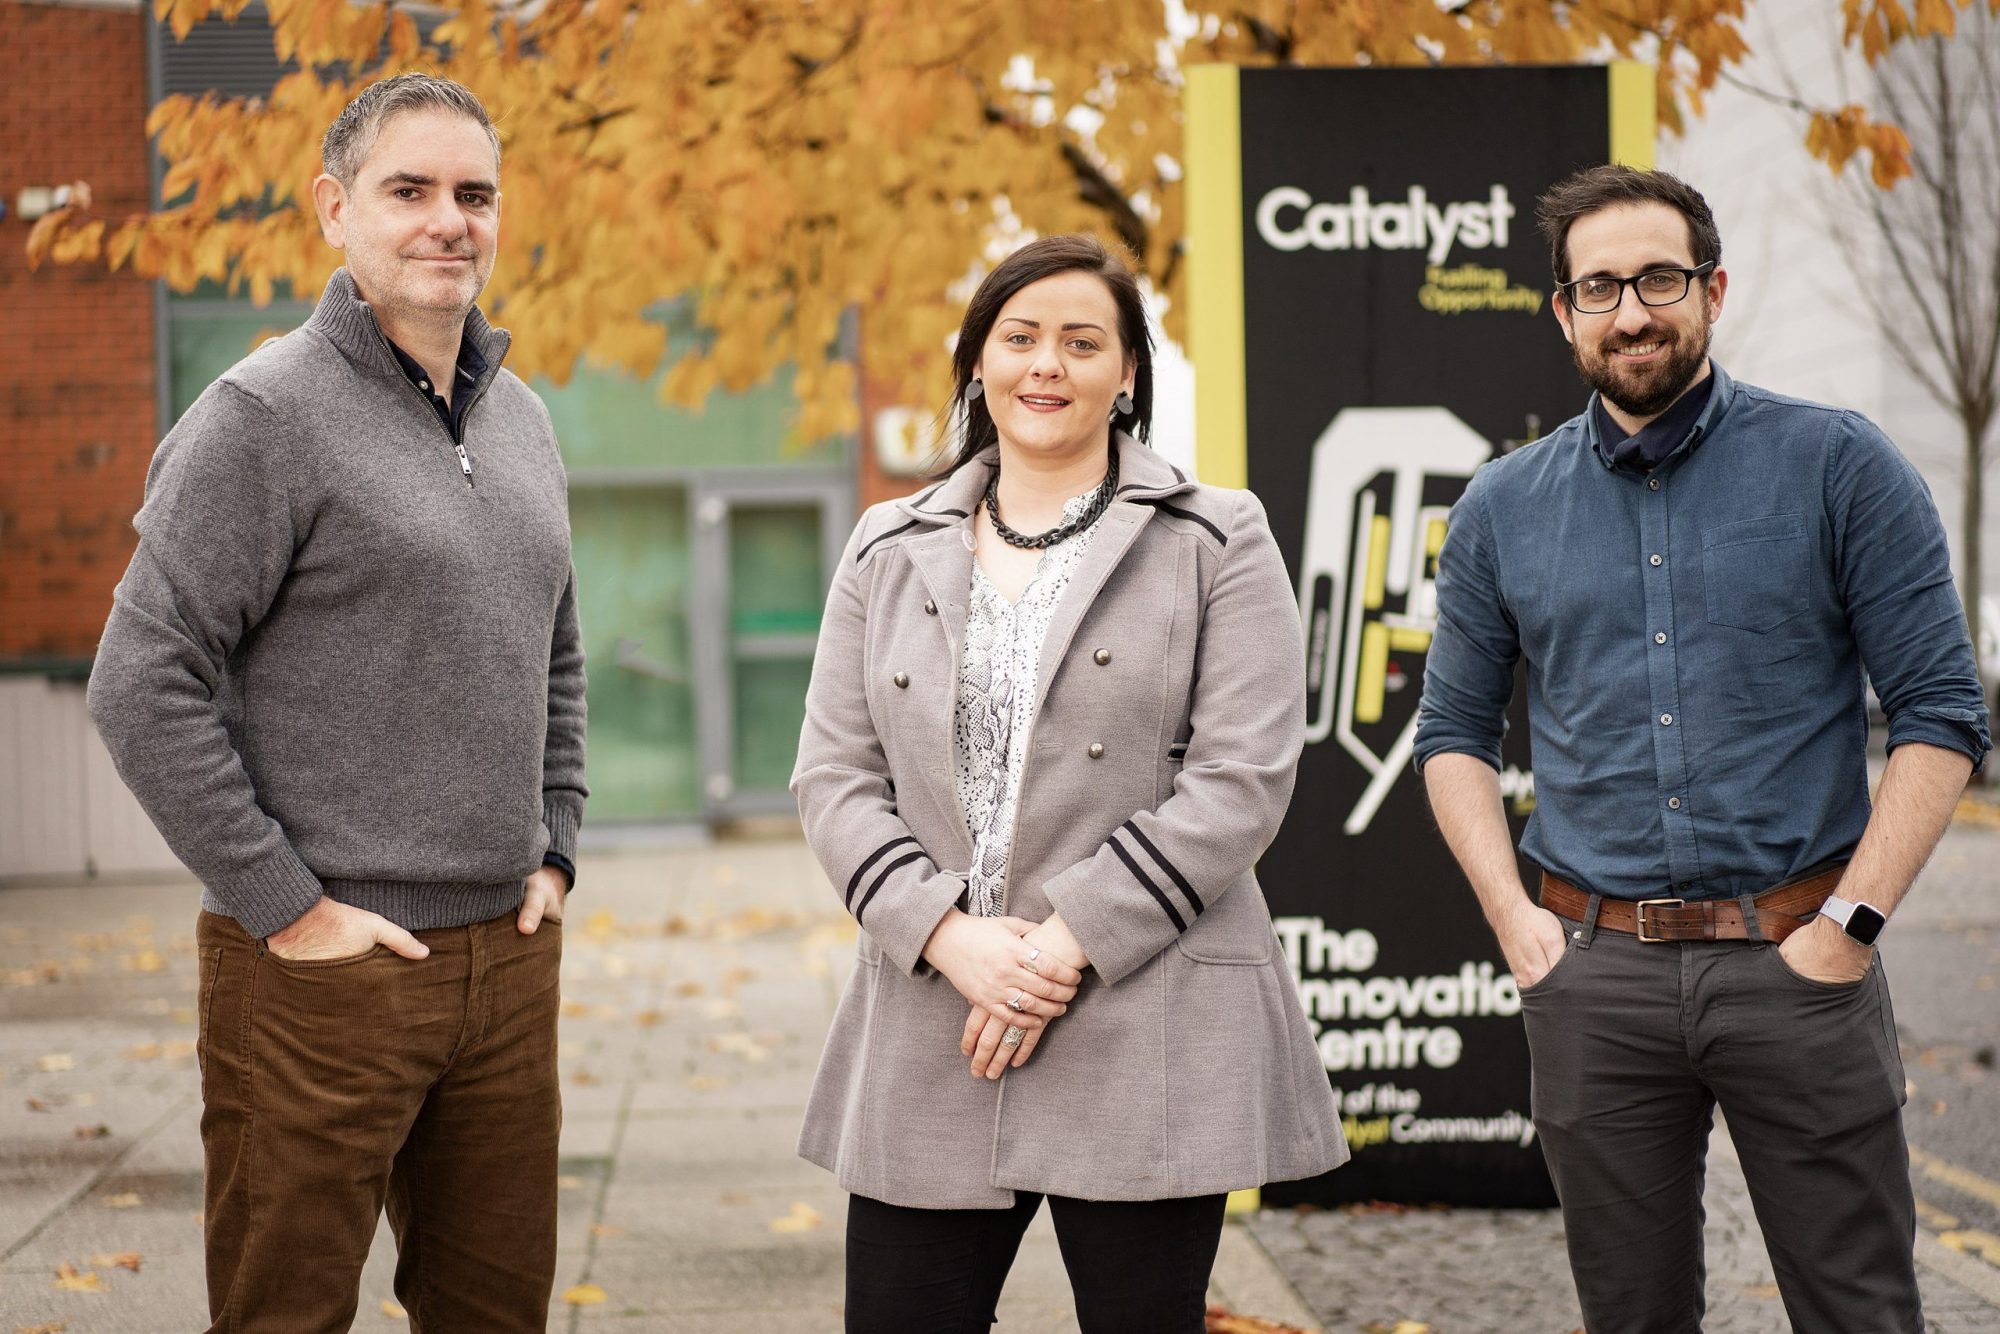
{"points": [[1657, 391]]}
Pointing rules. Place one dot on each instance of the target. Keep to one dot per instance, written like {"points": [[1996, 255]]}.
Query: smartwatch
{"points": [[1862, 922]]}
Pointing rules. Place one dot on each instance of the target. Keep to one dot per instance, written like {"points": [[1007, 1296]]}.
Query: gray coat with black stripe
{"points": [[1184, 1066]]}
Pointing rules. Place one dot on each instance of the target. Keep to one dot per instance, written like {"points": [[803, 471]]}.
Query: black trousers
{"points": [[1634, 1045], [1135, 1267]]}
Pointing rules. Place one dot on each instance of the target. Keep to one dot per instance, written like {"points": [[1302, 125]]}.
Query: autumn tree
{"points": [[782, 161], [1926, 256]]}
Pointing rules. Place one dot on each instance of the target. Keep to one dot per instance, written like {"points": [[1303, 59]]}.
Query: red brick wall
{"points": [[77, 410]]}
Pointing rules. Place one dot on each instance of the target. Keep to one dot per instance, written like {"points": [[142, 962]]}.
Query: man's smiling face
{"points": [[1640, 357], [419, 222]]}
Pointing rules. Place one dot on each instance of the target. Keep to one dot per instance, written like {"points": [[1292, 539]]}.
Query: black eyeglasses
{"points": [[1656, 287]]}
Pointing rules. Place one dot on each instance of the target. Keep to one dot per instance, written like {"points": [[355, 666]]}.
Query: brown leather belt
{"points": [[1780, 911]]}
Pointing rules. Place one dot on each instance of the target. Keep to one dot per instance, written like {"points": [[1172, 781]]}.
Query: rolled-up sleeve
{"points": [[1893, 569], [1469, 672]]}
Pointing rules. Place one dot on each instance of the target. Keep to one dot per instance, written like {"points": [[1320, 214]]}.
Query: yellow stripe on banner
{"points": [[1635, 113], [1434, 537], [1213, 189], [1372, 674], [1375, 586], [1244, 1201], [1410, 641]]}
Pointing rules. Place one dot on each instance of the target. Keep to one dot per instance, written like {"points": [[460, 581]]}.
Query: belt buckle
{"points": [[1639, 917]]}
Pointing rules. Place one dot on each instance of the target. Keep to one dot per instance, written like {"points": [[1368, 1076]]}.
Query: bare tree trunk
{"points": [[1974, 509]]}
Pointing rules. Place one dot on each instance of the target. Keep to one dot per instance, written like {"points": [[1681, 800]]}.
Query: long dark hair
{"points": [[970, 424]]}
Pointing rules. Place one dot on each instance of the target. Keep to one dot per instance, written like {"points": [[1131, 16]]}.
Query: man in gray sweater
{"points": [[343, 675]]}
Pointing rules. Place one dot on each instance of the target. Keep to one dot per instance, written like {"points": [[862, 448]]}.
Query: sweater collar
{"points": [[344, 319], [1142, 475]]}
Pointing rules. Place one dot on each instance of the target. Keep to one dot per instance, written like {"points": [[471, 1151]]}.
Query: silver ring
{"points": [[1029, 962], [1012, 1037], [1019, 1003]]}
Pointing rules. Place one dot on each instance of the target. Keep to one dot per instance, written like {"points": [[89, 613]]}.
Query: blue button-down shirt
{"points": [[1695, 639]]}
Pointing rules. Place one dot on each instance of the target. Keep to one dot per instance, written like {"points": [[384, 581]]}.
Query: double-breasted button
{"points": [[1652, 483], [902, 680], [1101, 657], [1096, 751], [930, 607]]}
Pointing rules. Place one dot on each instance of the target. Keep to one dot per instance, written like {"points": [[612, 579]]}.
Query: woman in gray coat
{"points": [[1054, 719]]}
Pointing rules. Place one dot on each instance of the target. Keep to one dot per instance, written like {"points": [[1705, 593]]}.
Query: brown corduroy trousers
{"points": [[332, 1087]]}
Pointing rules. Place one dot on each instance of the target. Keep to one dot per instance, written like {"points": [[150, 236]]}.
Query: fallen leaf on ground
{"points": [[745, 1045], [149, 1051], [735, 978], [39, 1105], [648, 1018], [600, 926], [569, 1183], [606, 1230], [584, 1079], [129, 1200], [68, 1279], [56, 1061], [393, 1311], [584, 1294], [802, 1218], [707, 1083], [99, 1131], [688, 990], [53, 1327], [1222, 1320], [145, 961], [123, 1260], [1397, 1327], [574, 1009]]}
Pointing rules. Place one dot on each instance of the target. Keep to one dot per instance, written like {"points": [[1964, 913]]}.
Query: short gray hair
{"points": [[352, 135]]}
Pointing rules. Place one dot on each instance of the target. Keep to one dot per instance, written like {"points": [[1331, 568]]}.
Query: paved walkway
{"points": [[698, 981]]}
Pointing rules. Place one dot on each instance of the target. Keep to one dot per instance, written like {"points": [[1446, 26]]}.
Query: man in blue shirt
{"points": [[1697, 573]]}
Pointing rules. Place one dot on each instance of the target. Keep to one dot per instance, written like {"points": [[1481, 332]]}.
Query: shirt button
{"points": [[1666, 720], [1673, 803], [1656, 559], [1660, 637], [902, 680], [423, 384], [930, 608], [1096, 750], [1652, 483], [1101, 657]]}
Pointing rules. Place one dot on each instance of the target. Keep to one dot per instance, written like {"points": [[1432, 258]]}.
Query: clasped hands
{"points": [[986, 959]]}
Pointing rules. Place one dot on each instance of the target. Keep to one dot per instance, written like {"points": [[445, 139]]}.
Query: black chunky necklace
{"points": [[1061, 532]]}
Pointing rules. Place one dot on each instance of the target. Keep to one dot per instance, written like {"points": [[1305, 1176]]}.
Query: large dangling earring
{"points": [[1122, 405], [975, 390]]}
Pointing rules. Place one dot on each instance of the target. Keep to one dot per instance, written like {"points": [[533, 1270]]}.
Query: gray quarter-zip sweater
{"points": [[338, 662]]}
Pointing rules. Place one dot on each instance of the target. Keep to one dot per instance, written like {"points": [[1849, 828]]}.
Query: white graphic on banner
{"points": [[1360, 556]]}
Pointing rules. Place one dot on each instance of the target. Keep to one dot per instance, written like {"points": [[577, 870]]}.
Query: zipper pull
{"points": [[464, 463]]}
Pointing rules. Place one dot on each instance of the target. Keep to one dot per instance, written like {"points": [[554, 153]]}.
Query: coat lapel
{"points": [[1142, 476], [943, 560]]}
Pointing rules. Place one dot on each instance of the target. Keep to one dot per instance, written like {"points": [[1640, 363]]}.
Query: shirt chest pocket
{"points": [[1754, 571]]}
